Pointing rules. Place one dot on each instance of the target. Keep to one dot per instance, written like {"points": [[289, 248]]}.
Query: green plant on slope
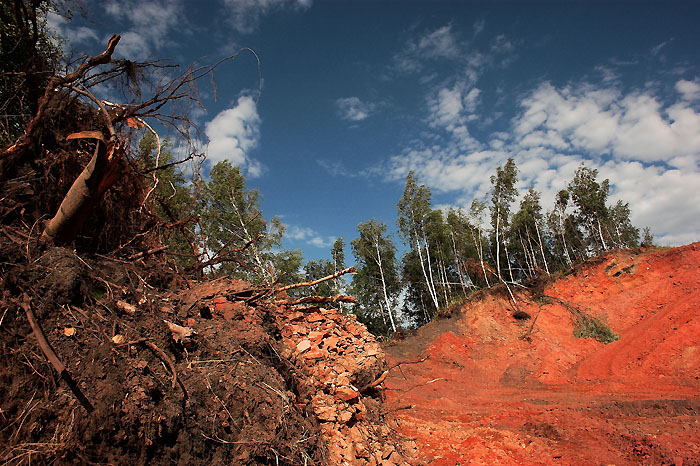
{"points": [[593, 327]]}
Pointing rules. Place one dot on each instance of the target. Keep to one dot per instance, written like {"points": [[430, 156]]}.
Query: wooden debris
{"points": [[126, 308], [51, 355], [316, 282]]}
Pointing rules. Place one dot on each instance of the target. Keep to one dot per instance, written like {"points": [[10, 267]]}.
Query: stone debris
{"points": [[336, 356]]}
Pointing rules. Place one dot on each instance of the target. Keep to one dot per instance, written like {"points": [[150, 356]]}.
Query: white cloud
{"points": [[246, 14], [74, 34], [233, 134], [602, 121], [650, 151], [479, 26], [441, 43], [451, 108], [657, 48], [148, 25], [353, 109], [689, 90], [308, 236]]}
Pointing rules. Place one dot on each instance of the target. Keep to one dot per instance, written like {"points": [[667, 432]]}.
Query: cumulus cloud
{"points": [[246, 14], [74, 34], [308, 236], [354, 109], [650, 151], [689, 90], [233, 134], [148, 25], [635, 126], [451, 108]]}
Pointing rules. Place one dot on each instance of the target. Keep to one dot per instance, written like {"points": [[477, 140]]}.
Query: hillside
{"points": [[483, 387]]}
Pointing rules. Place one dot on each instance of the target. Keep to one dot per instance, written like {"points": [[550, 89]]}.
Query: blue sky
{"points": [[356, 93]]}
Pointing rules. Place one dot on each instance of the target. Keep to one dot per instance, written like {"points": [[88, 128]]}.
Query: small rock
{"points": [[346, 393], [303, 345]]}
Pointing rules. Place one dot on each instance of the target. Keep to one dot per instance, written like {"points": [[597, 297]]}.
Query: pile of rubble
{"points": [[342, 367], [336, 367]]}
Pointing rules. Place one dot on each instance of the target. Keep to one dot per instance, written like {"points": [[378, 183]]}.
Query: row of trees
{"points": [[215, 227], [451, 253]]}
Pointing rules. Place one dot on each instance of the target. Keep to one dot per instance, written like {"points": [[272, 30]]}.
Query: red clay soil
{"points": [[499, 390]]}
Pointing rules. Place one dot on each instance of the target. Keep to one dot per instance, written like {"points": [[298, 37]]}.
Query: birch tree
{"points": [[376, 282], [414, 209], [503, 193]]}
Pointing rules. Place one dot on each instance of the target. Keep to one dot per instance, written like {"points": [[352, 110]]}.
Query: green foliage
{"points": [[376, 282], [173, 200], [503, 193], [587, 326], [647, 238], [619, 227], [314, 270]]}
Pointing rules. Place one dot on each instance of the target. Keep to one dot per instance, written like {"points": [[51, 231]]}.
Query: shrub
{"points": [[587, 326]]}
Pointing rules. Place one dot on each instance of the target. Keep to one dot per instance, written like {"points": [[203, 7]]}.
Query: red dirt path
{"points": [[487, 396]]}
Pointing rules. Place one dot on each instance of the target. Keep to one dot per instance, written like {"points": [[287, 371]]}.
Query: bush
{"points": [[593, 327]]}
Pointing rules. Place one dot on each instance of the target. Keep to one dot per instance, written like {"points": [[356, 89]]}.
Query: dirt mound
{"points": [[216, 373], [506, 384]]}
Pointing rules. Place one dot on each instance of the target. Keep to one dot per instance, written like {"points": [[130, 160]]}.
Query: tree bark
{"points": [[99, 175], [386, 296]]}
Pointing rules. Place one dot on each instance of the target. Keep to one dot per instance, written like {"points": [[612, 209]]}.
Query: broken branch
{"points": [[317, 300], [320, 280]]}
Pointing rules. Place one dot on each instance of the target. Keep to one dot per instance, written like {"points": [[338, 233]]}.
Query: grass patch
{"points": [[593, 327]]}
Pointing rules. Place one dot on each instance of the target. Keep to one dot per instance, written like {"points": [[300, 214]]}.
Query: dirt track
{"points": [[488, 395]]}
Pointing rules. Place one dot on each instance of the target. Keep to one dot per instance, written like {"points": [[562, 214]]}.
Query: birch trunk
{"points": [[386, 296]]}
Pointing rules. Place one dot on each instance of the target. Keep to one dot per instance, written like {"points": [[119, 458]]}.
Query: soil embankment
{"points": [[486, 388]]}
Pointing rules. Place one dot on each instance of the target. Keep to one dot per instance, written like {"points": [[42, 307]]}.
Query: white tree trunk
{"points": [[386, 296], [539, 238], [600, 232], [430, 268], [498, 245], [425, 275], [459, 268], [563, 238]]}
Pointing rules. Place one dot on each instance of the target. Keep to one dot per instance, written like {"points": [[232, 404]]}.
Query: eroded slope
{"points": [[499, 390]]}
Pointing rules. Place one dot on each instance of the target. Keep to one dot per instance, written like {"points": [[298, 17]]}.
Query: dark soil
{"points": [[234, 401]]}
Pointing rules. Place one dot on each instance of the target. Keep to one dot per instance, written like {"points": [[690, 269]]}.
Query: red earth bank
{"points": [[498, 390]]}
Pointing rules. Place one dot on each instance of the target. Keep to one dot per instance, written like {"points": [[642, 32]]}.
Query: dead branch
{"points": [[163, 357], [51, 355], [150, 252], [317, 300], [56, 82], [320, 280], [172, 164]]}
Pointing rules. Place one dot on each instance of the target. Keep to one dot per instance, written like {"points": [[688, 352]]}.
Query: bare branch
{"points": [[316, 282], [317, 300]]}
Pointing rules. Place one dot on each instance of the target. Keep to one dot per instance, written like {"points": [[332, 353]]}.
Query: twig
{"points": [[51, 355], [163, 357]]}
